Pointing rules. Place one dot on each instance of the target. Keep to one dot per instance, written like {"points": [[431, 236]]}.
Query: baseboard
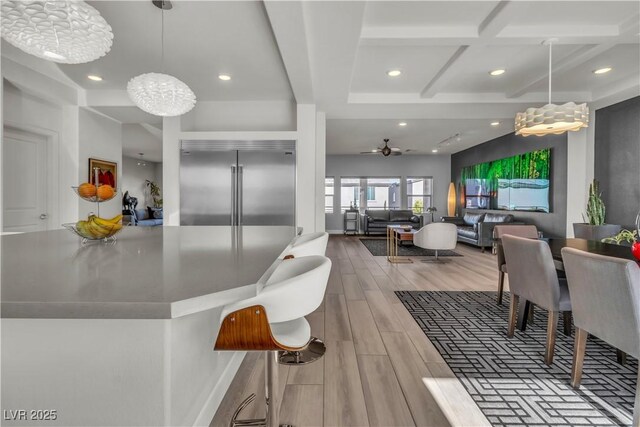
{"points": [[218, 392], [335, 231]]}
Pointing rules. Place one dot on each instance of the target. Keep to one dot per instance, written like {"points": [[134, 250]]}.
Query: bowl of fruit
{"points": [[96, 228], [91, 193]]}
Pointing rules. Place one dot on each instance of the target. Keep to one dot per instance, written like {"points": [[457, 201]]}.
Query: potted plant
{"points": [[154, 192], [595, 228]]}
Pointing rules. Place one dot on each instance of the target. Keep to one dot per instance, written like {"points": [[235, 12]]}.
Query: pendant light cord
{"points": [[550, 57], [162, 43]]}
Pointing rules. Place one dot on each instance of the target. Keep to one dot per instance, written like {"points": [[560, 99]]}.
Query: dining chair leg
{"points": [[500, 286], [566, 321], [552, 325], [579, 347], [621, 356], [513, 313]]}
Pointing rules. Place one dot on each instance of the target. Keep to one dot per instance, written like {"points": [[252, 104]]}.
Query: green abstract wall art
{"points": [[518, 182]]}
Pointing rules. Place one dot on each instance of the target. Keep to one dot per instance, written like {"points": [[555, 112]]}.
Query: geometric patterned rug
{"points": [[378, 247], [507, 378]]}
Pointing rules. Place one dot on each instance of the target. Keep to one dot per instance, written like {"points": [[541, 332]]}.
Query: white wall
{"points": [[134, 177], [31, 113], [136, 139], [100, 138], [438, 167]]}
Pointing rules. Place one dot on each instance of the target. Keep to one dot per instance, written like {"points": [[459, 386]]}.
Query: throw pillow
{"points": [[155, 213]]}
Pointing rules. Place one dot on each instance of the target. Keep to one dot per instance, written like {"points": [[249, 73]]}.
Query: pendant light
{"points": [[67, 32], [158, 93], [552, 119]]}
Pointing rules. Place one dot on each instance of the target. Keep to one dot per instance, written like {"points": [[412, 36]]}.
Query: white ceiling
{"points": [[445, 51], [335, 54], [201, 40]]}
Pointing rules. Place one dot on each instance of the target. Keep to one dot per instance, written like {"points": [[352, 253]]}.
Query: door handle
{"points": [[240, 201], [234, 201], [44, 216]]}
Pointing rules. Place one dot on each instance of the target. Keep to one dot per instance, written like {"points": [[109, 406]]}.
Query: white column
{"points": [[579, 171], [69, 164], [171, 170], [306, 168], [321, 151]]}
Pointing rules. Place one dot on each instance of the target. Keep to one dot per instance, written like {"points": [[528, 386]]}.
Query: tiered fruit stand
{"points": [[86, 237]]}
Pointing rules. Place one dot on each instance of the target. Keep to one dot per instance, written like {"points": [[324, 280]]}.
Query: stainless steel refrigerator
{"points": [[237, 183]]}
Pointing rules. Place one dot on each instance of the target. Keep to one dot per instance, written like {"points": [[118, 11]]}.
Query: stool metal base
{"points": [[272, 405], [314, 351]]}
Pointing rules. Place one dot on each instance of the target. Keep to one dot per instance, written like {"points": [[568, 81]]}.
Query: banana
{"points": [[105, 223], [115, 219], [103, 228], [97, 231], [82, 228]]}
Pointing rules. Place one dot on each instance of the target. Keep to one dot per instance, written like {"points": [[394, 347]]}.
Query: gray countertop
{"points": [[149, 273]]}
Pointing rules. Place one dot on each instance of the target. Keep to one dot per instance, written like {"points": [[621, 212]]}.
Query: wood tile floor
{"points": [[379, 369]]}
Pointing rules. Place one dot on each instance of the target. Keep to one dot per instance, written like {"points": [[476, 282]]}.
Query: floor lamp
{"points": [[451, 200]]}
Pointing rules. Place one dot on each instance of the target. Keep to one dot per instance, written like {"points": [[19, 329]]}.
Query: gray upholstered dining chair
{"points": [[532, 276], [527, 231], [605, 295]]}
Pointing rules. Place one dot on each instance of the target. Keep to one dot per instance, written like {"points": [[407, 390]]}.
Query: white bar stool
{"points": [[273, 321], [307, 244]]}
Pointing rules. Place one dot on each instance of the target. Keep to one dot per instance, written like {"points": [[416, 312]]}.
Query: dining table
{"points": [[591, 246]]}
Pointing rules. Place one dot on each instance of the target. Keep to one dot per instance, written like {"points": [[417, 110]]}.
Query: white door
{"points": [[24, 181]]}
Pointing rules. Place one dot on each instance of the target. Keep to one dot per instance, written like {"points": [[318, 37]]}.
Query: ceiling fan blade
{"points": [[395, 149], [369, 152], [396, 153]]}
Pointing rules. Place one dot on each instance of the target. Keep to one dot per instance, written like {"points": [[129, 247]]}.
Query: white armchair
{"points": [[437, 236]]}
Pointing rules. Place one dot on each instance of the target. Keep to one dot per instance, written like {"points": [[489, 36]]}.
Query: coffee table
{"points": [[396, 234]]}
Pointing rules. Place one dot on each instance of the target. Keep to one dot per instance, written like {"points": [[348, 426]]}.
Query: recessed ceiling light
{"points": [[497, 72], [394, 73], [602, 70], [402, 124], [434, 150], [224, 77], [94, 78], [495, 123]]}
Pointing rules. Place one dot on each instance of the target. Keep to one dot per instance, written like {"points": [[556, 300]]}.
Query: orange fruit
{"points": [[87, 190], [105, 192]]}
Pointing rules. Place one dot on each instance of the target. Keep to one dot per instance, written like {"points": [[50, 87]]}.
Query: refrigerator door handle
{"points": [[239, 196], [234, 195]]}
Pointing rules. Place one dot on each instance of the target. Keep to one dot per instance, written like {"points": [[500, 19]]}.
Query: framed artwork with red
{"points": [[105, 171]]}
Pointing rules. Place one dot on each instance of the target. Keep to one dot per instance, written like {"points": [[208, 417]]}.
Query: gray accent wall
{"points": [[617, 160], [368, 165], [553, 223]]}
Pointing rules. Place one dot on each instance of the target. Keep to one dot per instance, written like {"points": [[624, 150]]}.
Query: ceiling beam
{"points": [[494, 22], [462, 98], [288, 26]]}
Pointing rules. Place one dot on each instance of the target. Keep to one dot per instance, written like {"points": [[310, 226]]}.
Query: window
{"points": [[419, 193], [349, 193], [328, 194], [383, 193]]}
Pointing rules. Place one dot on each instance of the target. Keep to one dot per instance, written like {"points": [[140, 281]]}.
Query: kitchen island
{"points": [[122, 333]]}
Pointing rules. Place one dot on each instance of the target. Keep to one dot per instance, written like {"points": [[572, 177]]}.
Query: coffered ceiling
{"points": [[336, 54]]}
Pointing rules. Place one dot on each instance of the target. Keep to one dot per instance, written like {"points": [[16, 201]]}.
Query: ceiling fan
{"points": [[386, 150]]}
